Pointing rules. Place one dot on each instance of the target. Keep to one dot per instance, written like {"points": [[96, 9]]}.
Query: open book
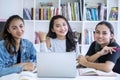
{"points": [[25, 75], [94, 72]]}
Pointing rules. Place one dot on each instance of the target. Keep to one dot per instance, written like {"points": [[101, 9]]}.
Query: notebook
{"points": [[62, 65]]}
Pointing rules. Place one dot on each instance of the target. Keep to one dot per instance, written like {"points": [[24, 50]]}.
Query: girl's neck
{"points": [[104, 45], [61, 38], [18, 43]]}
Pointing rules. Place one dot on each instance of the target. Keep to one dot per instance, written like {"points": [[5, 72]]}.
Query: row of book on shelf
{"points": [[71, 10], [45, 11], [40, 13], [88, 36], [96, 12], [99, 12]]}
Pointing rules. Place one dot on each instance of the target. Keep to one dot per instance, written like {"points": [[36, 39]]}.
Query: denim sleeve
{"points": [[33, 53], [10, 70], [5, 67]]}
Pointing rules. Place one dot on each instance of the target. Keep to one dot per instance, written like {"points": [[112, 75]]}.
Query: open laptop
{"points": [[54, 65]]}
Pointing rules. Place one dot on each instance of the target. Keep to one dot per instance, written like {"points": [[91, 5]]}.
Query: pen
{"points": [[116, 48]]}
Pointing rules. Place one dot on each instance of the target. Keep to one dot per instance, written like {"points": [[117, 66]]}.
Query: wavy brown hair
{"points": [[70, 37], [5, 35]]}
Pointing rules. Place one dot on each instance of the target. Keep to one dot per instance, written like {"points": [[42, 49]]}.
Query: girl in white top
{"points": [[60, 37]]}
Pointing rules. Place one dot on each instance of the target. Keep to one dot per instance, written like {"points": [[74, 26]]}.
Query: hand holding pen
{"points": [[116, 49]]}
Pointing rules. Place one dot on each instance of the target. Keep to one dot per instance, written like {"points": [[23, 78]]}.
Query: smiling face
{"points": [[16, 29], [103, 35], [60, 27]]}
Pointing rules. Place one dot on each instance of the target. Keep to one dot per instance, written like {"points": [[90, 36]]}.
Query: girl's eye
{"points": [[57, 25], [104, 33], [21, 26], [64, 24], [14, 28], [96, 31]]}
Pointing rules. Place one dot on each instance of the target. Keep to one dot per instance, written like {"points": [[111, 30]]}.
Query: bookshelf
{"points": [[90, 19], [80, 18]]}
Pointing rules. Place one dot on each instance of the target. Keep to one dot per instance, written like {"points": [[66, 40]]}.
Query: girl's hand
{"points": [[42, 36], [107, 50], [29, 66], [82, 60]]}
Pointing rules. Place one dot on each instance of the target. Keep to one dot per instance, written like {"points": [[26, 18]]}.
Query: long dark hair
{"points": [[70, 38], [9, 40], [109, 25]]}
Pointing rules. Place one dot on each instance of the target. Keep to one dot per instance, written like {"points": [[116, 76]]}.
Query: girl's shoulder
{"points": [[114, 44], [50, 40], [94, 43], [2, 45], [2, 42], [26, 42]]}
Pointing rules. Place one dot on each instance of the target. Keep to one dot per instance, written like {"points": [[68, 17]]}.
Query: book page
{"points": [[101, 73], [94, 72], [13, 76], [87, 72], [27, 75]]}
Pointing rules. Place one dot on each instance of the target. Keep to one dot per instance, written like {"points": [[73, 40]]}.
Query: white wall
{"points": [[10, 7]]}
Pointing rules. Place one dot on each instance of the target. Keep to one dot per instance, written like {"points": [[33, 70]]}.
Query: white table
{"points": [[17, 77], [33, 76]]}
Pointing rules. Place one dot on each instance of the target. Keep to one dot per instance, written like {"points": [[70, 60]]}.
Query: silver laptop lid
{"points": [[56, 64]]}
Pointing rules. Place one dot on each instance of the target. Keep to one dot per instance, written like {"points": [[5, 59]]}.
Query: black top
{"points": [[19, 56], [114, 57]]}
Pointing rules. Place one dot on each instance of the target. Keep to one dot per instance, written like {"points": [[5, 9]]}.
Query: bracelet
{"points": [[42, 40]]}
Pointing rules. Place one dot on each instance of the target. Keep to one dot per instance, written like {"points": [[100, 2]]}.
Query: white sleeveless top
{"points": [[57, 45]]}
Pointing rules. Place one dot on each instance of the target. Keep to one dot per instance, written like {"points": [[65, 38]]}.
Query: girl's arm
{"points": [[17, 68], [94, 57], [10, 70], [107, 66], [104, 51], [46, 46]]}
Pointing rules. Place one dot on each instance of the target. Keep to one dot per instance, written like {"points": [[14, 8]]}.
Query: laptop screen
{"points": [[56, 64]]}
